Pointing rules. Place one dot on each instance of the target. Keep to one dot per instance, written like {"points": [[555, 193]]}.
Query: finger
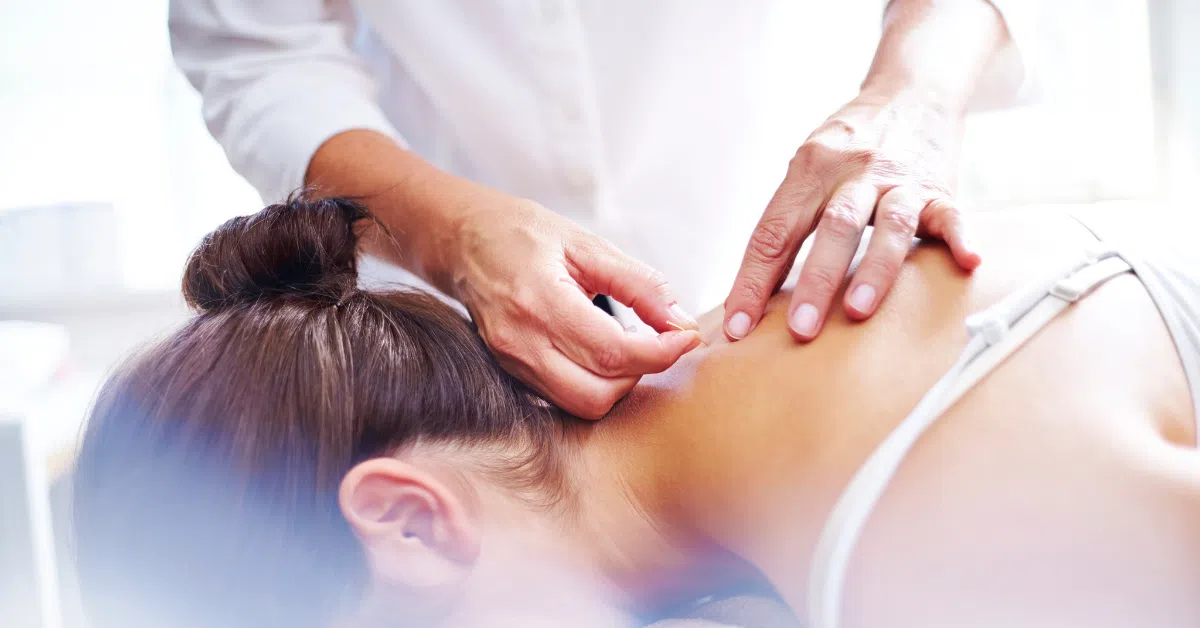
{"points": [[943, 220], [570, 386], [834, 243], [896, 219], [600, 267], [598, 343], [771, 251]]}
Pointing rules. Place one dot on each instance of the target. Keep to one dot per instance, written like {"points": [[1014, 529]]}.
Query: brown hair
{"points": [[206, 488]]}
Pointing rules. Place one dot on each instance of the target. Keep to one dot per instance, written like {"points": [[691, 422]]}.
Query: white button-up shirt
{"points": [[664, 126]]}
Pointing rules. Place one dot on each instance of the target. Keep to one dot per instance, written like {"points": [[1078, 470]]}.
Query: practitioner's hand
{"points": [[528, 277], [887, 159]]}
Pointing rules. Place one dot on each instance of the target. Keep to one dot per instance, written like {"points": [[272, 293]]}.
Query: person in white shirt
{"points": [[527, 156]]}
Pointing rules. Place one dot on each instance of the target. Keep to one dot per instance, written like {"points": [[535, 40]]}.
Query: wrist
{"points": [[467, 221], [414, 201], [936, 52], [438, 207], [884, 91]]}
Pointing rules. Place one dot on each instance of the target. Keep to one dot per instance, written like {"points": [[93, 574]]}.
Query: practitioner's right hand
{"points": [[528, 277]]}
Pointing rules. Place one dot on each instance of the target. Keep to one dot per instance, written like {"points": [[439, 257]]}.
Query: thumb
{"points": [[600, 267]]}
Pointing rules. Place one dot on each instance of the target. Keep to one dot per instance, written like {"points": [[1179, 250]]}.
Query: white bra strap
{"points": [[995, 334], [1020, 331]]}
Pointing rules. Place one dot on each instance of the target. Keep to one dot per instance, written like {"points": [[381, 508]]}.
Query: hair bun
{"points": [[303, 247]]}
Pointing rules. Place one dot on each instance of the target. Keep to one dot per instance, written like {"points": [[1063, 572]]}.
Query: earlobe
{"points": [[413, 527]]}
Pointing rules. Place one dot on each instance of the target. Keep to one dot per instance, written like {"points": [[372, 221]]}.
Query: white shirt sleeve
{"points": [[277, 78]]}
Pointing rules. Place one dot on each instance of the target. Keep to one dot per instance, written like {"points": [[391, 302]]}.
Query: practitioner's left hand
{"points": [[887, 159]]}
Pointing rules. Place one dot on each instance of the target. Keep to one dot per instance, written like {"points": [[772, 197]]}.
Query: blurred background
{"points": [[108, 177]]}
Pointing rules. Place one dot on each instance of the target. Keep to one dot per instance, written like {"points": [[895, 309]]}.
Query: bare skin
{"points": [[1063, 490], [527, 276], [888, 157]]}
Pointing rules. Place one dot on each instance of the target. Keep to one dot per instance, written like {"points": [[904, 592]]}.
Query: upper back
{"points": [[759, 437]]}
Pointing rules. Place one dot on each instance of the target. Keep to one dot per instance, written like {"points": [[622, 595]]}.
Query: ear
{"points": [[416, 532]]}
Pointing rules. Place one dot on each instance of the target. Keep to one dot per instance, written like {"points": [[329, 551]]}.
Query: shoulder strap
{"points": [[995, 333]]}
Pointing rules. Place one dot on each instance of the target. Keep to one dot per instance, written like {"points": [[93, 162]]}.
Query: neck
{"points": [[615, 516], [624, 510]]}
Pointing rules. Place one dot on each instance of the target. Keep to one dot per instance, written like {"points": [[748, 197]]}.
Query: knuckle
{"points": [[610, 359], [595, 401], [753, 290], [525, 299], [582, 247], [807, 157], [885, 165], [935, 186], [861, 159], [656, 278], [821, 280], [907, 195], [657, 281], [505, 343], [772, 238], [818, 153], [941, 215], [947, 210], [841, 125], [880, 267], [597, 246], [896, 219], [841, 221]]}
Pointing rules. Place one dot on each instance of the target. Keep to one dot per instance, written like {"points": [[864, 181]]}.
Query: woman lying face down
{"points": [[307, 453], [303, 450]]}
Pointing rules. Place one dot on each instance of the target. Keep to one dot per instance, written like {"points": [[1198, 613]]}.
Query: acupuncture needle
{"points": [[681, 328]]}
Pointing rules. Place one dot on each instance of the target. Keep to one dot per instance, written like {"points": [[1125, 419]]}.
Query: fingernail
{"points": [[682, 316], [862, 298], [804, 320], [738, 326]]}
